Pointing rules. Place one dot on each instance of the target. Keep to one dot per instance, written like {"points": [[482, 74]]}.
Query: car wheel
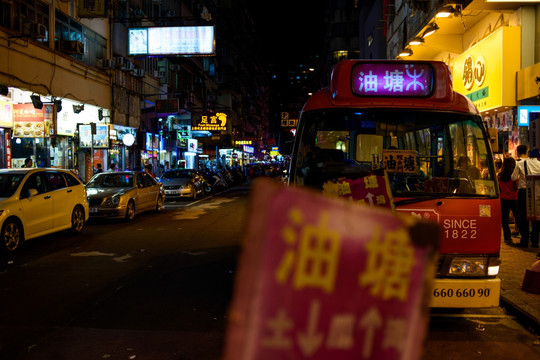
{"points": [[130, 211], [159, 204], [12, 235], [77, 219], [193, 192]]}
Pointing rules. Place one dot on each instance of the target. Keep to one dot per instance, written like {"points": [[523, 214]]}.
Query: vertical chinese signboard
{"points": [[324, 278]]}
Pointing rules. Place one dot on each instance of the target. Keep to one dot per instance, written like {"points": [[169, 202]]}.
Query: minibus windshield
{"points": [[424, 152]]}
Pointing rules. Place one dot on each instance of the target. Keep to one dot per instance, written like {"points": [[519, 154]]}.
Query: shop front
{"points": [[486, 74], [123, 144]]}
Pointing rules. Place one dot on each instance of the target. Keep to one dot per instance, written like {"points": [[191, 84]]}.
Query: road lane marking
{"points": [[195, 212], [92, 253]]}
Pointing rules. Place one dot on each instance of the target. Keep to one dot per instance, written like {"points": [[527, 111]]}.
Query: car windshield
{"points": [[177, 174], [9, 183], [111, 180], [424, 152]]}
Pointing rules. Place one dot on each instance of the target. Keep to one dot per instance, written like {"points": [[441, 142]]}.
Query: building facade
{"points": [[74, 93]]}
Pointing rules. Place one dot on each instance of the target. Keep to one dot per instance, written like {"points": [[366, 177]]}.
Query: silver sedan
{"points": [[123, 194]]}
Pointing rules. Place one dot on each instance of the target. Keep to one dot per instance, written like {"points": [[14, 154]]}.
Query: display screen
{"points": [[172, 40], [391, 79]]}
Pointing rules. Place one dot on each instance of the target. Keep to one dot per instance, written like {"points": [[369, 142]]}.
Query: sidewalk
{"points": [[514, 262]]}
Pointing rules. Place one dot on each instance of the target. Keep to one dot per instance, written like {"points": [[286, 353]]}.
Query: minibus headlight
{"points": [[468, 266]]}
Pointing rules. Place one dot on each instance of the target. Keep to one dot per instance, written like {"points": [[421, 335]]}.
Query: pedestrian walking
{"points": [[509, 197], [527, 164]]}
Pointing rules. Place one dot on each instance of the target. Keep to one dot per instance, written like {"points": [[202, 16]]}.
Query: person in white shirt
{"points": [[527, 164]]}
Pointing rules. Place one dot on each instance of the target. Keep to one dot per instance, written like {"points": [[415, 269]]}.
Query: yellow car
{"points": [[39, 201]]}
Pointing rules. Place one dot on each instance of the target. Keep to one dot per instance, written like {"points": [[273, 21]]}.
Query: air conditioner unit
{"points": [[159, 74], [119, 61], [128, 66], [170, 13], [72, 47], [105, 63], [137, 72], [38, 31]]}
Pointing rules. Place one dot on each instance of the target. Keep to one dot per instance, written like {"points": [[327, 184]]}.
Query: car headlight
{"points": [[468, 266], [115, 200], [112, 201]]}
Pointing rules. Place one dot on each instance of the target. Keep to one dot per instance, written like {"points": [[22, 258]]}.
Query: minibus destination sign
{"points": [[391, 79]]}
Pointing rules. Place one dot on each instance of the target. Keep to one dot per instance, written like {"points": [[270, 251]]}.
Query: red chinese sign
{"points": [[373, 189], [323, 278]]}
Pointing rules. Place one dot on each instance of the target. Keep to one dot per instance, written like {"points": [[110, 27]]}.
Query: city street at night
{"points": [[160, 288]]}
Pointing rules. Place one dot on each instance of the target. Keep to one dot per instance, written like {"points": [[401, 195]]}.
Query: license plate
{"points": [[93, 210], [172, 192], [461, 293]]}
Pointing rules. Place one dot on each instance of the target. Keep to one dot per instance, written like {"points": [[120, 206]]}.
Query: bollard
{"points": [[531, 280]]}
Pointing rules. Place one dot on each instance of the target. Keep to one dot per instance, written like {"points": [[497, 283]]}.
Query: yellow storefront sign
{"points": [[486, 73]]}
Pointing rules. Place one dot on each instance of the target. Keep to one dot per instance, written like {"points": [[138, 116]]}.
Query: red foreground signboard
{"points": [[325, 278]]}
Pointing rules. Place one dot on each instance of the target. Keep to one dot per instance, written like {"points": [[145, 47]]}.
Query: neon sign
{"points": [[391, 79]]}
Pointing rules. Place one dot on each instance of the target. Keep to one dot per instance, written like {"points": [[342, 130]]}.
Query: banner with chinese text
{"points": [[373, 189], [324, 278]]}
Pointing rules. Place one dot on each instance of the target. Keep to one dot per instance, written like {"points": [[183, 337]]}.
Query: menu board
{"points": [[27, 121]]}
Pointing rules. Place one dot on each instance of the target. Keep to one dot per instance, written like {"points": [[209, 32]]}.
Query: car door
{"points": [[61, 196], [152, 190], [37, 210], [142, 192]]}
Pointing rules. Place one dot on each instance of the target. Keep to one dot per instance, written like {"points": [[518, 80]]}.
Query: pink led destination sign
{"points": [[391, 79]]}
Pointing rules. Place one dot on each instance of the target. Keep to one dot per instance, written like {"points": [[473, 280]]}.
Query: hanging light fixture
{"points": [[417, 41], [405, 52], [446, 11], [430, 29], [36, 101], [78, 108], [57, 104]]}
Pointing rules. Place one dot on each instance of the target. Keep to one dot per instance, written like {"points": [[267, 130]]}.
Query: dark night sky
{"points": [[289, 30]]}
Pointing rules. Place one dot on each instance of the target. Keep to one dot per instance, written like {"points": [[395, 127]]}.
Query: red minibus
{"points": [[405, 117]]}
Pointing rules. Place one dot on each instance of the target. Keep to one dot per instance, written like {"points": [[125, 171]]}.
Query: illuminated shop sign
{"points": [[126, 135], [100, 137], [6, 114], [211, 122], [172, 40], [385, 79], [243, 142], [29, 122], [523, 114], [152, 142], [486, 72]]}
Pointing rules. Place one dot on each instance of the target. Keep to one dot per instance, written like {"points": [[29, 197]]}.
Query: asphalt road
{"points": [[160, 288], [156, 288]]}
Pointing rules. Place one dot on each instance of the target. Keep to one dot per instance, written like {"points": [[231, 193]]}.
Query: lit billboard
{"points": [[172, 40]]}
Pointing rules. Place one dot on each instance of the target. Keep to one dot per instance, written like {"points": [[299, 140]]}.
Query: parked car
{"points": [[123, 194], [39, 201], [182, 183]]}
